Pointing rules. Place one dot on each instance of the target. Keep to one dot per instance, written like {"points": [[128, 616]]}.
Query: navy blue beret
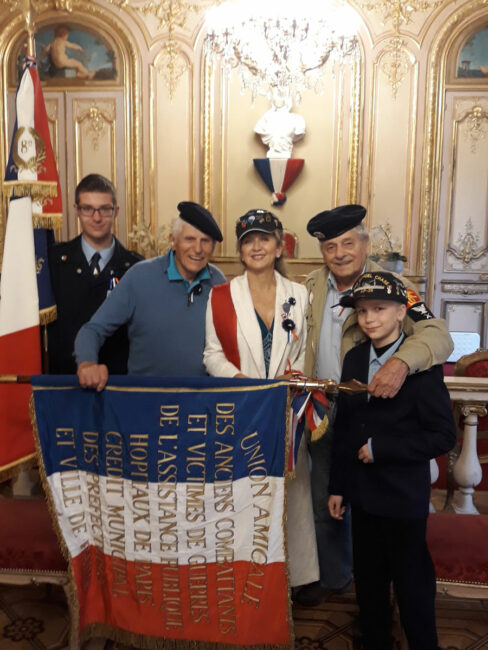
{"points": [[332, 223], [200, 218]]}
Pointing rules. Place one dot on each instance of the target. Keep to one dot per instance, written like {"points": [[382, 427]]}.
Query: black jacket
{"points": [[407, 431], [78, 295]]}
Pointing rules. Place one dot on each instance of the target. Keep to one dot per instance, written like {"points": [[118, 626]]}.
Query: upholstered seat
{"points": [[459, 549], [29, 548]]}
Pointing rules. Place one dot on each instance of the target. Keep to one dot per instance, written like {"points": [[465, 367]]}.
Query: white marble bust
{"points": [[279, 128]]}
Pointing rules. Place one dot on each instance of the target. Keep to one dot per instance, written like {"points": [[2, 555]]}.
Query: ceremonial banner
{"points": [[32, 185], [170, 498]]}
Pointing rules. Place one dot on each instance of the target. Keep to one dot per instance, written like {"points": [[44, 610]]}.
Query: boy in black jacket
{"points": [[381, 466]]}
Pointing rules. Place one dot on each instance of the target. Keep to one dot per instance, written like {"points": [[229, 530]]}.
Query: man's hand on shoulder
{"points": [[389, 378], [92, 375]]}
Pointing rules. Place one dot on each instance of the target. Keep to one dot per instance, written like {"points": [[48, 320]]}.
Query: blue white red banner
{"points": [[32, 185], [170, 501], [278, 174]]}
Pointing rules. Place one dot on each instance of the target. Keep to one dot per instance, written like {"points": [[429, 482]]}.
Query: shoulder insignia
{"points": [[413, 298], [417, 310]]}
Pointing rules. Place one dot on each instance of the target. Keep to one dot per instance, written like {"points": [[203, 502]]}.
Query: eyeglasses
{"points": [[88, 211]]}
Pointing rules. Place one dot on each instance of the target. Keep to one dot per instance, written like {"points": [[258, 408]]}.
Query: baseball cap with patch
{"points": [[335, 222], [376, 285], [257, 219], [197, 216]]}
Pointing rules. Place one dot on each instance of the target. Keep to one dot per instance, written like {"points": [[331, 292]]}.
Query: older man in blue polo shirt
{"points": [[163, 304]]}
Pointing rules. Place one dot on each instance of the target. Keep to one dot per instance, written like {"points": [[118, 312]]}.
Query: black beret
{"points": [[332, 223], [376, 285], [199, 217], [261, 220]]}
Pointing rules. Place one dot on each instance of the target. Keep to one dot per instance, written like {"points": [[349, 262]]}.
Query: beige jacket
{"points": [[428, 342]]}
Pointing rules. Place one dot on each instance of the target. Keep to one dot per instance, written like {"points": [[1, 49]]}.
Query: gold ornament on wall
{"points": [[97, 120], [398, 12], [170, 14], [395, 64], [475, 126], [171, 65], [467, 248]]}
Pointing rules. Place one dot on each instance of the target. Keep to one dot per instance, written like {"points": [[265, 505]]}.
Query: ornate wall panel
{"points": [[467, 236], [171, 138], [392, 144], [95, 144]]}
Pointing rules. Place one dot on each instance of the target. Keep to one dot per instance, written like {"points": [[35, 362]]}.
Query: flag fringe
{"points": [[73, 604], [48, 221], [12, 470], [145, 642], [48, 315], [320, 430], [37, 190]]}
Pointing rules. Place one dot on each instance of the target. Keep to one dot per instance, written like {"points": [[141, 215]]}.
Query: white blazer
{"points": [[249, 340]]}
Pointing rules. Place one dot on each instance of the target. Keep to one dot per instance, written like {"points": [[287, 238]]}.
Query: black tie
{"points": [[94, 266]]}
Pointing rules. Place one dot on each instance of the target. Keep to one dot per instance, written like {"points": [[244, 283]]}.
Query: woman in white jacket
{"points": [[255, 327]]}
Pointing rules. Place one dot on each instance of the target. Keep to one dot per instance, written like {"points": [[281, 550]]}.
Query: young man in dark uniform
{"points": [[381, 465], [83, 271]]}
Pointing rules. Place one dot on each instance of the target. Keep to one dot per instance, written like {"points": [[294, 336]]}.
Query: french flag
{"points": [[32, 183], [171, 504]]}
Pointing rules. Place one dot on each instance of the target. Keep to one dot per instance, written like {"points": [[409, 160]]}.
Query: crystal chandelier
{"points": [[280, 46]]}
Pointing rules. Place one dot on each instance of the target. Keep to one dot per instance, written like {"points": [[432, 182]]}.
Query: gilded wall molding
{"points": [[467, 249], [170, 15], [474, 122], [398, 13], [355, 134], [436, 81], [464, 289], [395, 62], [97, 117]]}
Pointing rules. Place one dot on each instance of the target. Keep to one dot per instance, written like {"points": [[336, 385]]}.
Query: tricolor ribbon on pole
{"points": [[278, 174], [307, 408], [32, 185]]}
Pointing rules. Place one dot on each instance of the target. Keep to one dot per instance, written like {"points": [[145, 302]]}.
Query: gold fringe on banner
{"points": [[12, 470], [320, 430], [145, 642], [48, 315], [289, 474], [49, 221], [73, 604], [35, 189]]}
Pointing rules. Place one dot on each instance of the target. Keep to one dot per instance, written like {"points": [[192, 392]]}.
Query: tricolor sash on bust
{"points": [[225, 322]]}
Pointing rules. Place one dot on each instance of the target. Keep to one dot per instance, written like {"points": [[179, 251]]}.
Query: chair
{"points": [[458, 545], [290, 244], [30, 551]]}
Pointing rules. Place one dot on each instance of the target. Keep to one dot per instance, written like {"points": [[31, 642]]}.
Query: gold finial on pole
{"points": [[29, 27]]}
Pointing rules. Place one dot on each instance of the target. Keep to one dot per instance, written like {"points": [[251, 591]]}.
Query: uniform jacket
{"points": [[78, 295], [406, 431], [285, 347], [428, 341]]}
